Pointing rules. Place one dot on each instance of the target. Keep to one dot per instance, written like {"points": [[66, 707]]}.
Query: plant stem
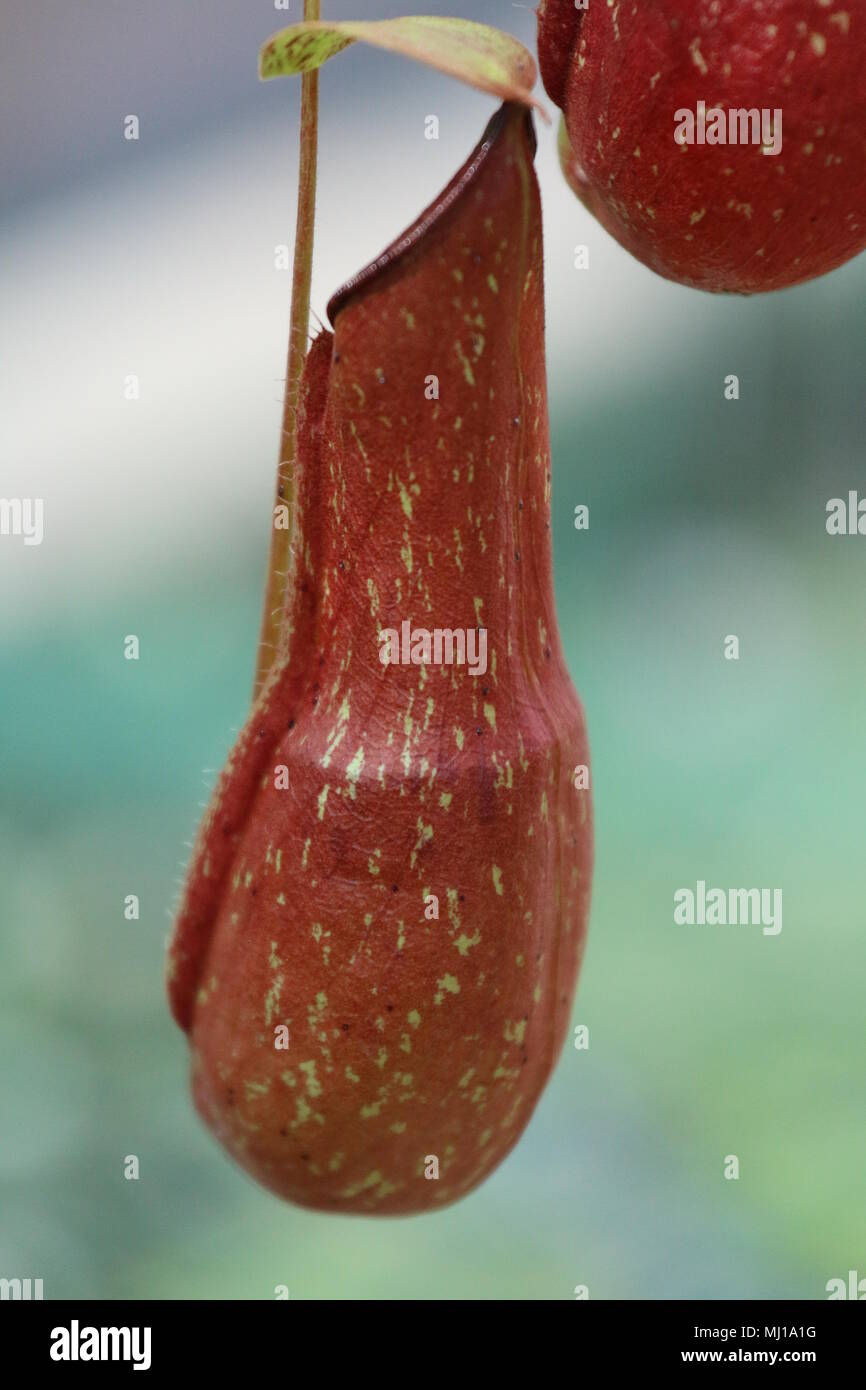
{"points": [[281, 557]]}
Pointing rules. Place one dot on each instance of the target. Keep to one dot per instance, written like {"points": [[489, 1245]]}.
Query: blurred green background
{"points": [[706, 518]]}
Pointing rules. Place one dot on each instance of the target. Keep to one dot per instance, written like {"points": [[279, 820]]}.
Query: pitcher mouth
{"points": [[440, 208]]}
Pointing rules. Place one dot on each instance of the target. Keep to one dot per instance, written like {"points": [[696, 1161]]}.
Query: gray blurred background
{"points": [[156, 258]]}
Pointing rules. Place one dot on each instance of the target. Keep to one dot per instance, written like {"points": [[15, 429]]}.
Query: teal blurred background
{"points": [[706, 519]]}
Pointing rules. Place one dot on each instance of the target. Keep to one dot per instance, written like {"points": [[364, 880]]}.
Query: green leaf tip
{"points": [[476, 54]]}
